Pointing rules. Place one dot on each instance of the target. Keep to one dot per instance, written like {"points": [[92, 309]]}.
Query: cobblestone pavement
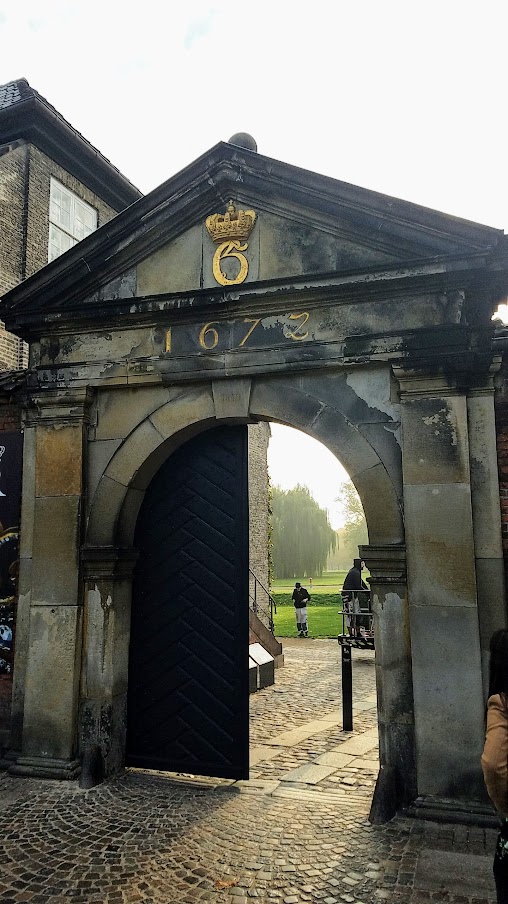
{"points": [[280, 838], [298, 723]]}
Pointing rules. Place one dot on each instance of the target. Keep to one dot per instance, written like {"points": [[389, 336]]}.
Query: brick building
{"points": [[55, 188]]}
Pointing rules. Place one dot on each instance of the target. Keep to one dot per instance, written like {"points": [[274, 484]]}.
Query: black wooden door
{"points": [[188, 698]]}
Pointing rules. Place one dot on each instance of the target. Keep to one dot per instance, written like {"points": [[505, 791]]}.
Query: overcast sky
{"points": [[406, 98]]}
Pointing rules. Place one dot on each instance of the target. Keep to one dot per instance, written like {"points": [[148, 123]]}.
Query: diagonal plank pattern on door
{"points": [[188, 679]]}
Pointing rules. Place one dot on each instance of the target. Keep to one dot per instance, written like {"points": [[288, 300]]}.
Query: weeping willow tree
{"points": [[355, 527], [301, 534]]}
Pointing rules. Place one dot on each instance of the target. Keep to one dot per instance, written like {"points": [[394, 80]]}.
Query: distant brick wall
{"points": [[9, 350], [259, 434], [501, 406], [12, 177], [10, 417], [23, 252], [41, 170]]}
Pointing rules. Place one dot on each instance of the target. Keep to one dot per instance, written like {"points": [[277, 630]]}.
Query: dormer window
{"points": [[70, 219]]}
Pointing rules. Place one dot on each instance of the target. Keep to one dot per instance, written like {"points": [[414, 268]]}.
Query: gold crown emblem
{"points": [[232, 225]]}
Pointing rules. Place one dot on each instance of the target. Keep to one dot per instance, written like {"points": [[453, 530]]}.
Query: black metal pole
{"points": [[347, 687]]}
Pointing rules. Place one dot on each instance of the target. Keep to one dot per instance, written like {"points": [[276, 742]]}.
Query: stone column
{"points": [[397, 779], [108, 576], [490, 578], [24, 587], [445, 640], [49, 644]]}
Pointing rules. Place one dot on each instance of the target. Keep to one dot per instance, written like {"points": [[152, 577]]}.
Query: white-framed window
{"points": [[70, 219]]}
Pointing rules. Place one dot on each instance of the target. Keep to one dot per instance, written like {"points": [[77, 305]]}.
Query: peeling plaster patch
{"points": [[389, 600], [443, 420], [23, 600], [94, 597], [288, 326], [374, 389], [393, 599], [136, 350], [108, 602], [394, 429], [269, 323]]}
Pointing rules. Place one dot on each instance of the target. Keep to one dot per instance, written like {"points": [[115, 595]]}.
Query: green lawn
{"points": [[324, 621], [284, 598], [329, 581], [323, 611], [325, 591]]}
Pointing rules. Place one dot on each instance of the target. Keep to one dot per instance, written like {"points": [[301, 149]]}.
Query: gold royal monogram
{"points": [[231, 229]]}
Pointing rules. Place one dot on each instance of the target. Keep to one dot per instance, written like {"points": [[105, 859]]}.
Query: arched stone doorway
{"points": [[366, 443], [361, 320]]}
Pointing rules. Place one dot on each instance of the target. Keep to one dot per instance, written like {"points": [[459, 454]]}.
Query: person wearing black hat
{"points": [[300, 599], [351, 596]]}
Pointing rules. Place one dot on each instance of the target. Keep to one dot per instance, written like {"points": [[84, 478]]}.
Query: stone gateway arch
{"points": [[246, 290]]}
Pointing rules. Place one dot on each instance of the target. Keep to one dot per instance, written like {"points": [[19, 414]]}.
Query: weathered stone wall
{"points": [[259, 435], [391, 370], [357, 412]]}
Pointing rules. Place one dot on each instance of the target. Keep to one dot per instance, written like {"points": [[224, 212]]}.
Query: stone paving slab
{"points": [[360, 744], [366, 764], [249, 786], [337, 759], [335, 716], [309, 774], [356, 802], [295, 735], [262, 753], [363, 706], [467, 874]]}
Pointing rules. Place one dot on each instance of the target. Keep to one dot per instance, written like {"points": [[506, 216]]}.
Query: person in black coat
{"points": [[300, 599], [351, 596]]}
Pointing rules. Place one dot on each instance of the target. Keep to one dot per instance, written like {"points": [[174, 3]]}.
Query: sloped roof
{"points": [[13, 92], [26, 114], [411, 234], [12, 380]]}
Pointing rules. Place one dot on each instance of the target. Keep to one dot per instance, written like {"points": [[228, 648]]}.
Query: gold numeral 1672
{"points": [[209, 337], [296, 334]]}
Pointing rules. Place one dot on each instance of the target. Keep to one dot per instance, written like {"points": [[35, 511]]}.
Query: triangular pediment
{"points": [[305, 225], [279, 246]]}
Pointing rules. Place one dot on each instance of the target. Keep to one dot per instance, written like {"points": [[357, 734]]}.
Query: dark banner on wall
{"points": [[11, 452]]}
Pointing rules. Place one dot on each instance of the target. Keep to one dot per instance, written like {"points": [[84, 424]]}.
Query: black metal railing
{"points": [[357, 618], [262, 602]]}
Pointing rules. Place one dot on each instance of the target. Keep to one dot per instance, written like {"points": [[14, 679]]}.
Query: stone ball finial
{"points": [[244, 140]]}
